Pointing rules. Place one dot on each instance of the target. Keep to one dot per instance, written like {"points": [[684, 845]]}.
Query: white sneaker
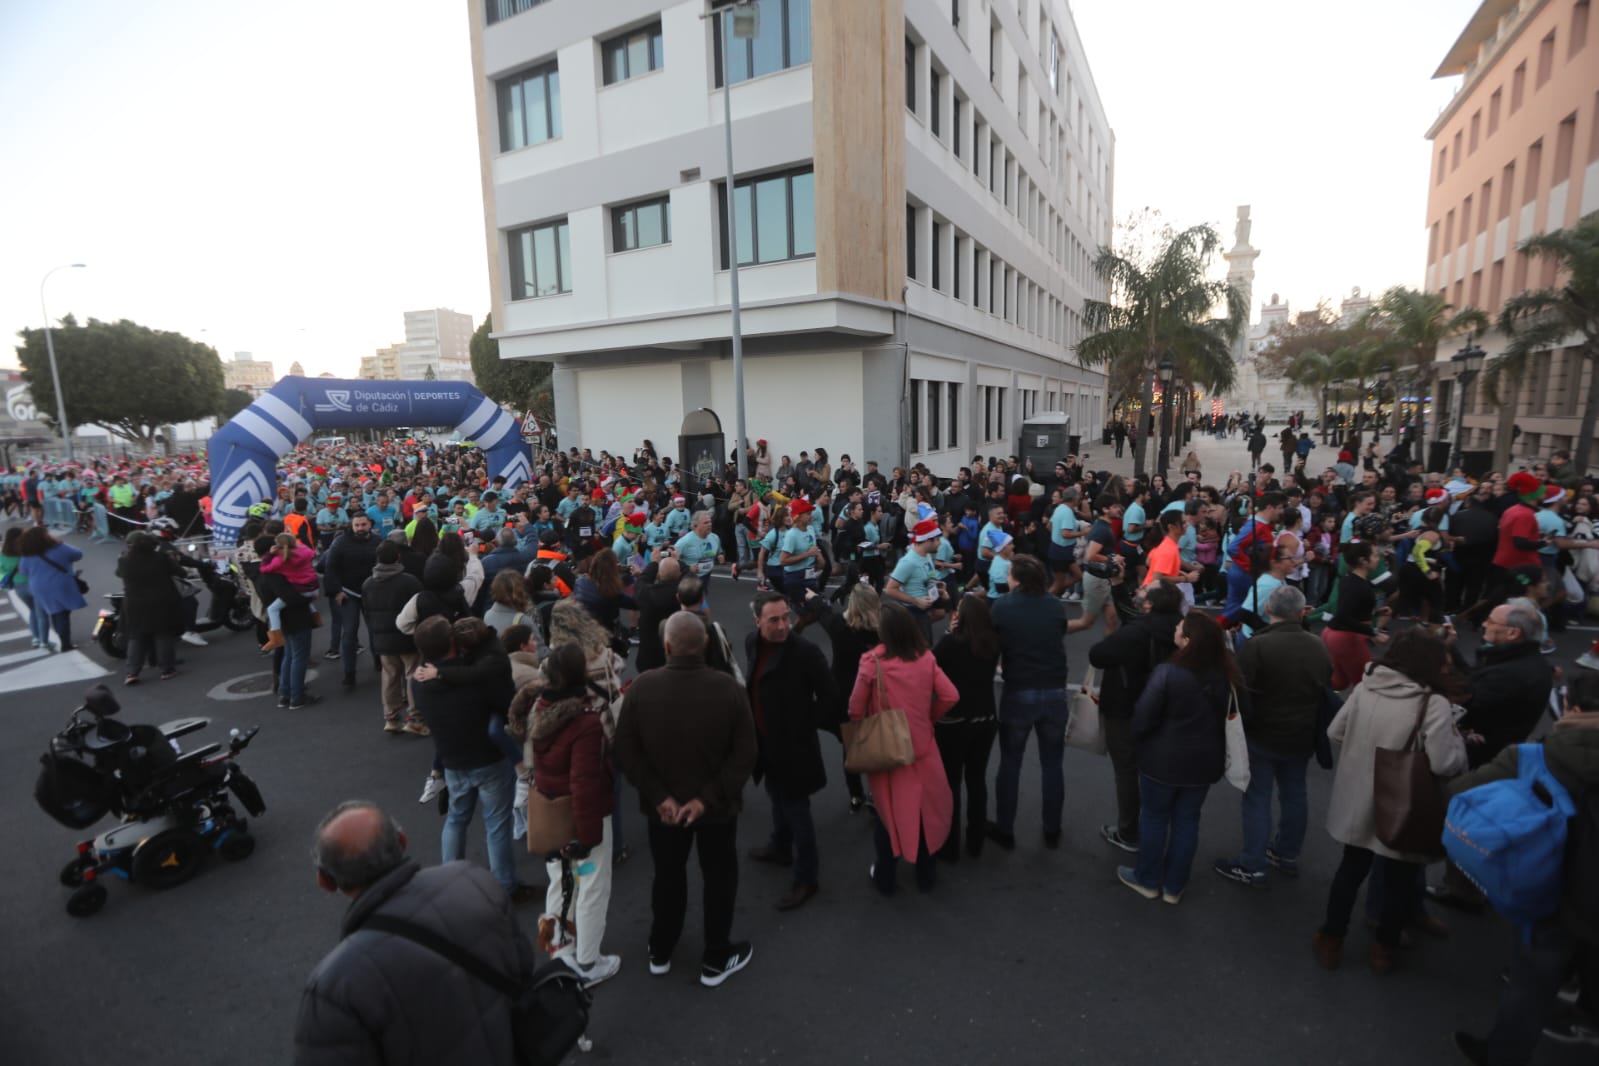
{"points": [[194, 638], [1589, 660], [600, 970], [431, 788]]}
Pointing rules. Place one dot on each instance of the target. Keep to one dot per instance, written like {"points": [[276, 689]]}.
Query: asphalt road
{"points": [[1028, 957]]}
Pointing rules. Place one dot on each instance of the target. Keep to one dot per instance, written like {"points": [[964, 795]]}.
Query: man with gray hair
{"points": [[382, 997], [1288, 673], [507, 554]]}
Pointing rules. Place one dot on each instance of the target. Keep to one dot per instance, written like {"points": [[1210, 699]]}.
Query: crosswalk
{"points": [[23, 666]]}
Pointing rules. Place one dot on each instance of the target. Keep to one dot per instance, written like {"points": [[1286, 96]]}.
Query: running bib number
{"points": [[810, 573], [703, 566], [585, 531]]}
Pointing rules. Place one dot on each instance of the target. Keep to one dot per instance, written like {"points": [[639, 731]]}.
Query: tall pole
{"points": [[55, 374], [732, 247]]}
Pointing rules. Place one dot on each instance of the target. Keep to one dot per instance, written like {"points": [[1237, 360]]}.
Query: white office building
{"points": [[920, 189]]}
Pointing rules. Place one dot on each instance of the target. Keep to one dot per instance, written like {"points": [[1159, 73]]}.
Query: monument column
{"points": [[1241, 276]]}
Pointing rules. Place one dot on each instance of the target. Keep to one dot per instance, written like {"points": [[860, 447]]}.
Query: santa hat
{"points": [[599, 494], [924, 511], [679, 499], [798, 509], [1436, 495], [998, 539], [1524, 485], [636, 519], [1553, 494], [926, 529]]}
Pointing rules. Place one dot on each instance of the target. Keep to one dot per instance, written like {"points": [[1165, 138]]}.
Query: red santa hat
{"points": [[926, 529], [800, 508], [1434, 495]]}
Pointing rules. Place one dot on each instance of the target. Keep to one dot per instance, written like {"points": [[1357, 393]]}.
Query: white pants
{"points": [[591, 896]]}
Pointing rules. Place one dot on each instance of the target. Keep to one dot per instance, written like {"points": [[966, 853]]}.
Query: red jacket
{"points": [[571, 758]]}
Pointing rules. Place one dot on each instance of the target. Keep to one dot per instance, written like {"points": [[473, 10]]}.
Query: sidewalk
{"points": [[1218, 458]]}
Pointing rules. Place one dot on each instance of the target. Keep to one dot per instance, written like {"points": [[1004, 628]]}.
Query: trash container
{"points": [[1104, 435]]}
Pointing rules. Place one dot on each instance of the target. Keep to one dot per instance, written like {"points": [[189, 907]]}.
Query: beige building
{"points": [[248, 374], [919, 189], [1516, 153], [438, 338]]}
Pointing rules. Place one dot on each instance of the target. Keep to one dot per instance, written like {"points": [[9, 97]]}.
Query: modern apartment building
{"points": [[1516, 153], [920, 187], [439, 339]]}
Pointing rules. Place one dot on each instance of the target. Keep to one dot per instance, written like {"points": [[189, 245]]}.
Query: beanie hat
{"points": [[997, 539], [1524, 485], [925, 530]]}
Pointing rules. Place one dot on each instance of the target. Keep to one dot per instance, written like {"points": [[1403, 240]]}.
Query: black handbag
{"points": [[549, 1011]]}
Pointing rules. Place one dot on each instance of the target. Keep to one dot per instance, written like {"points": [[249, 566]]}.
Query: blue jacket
{"points": [[51, 580]]}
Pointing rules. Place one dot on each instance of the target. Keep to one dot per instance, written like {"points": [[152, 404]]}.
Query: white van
{"points": [[329, 442]]}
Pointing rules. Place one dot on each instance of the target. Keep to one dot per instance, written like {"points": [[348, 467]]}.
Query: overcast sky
{"points": [[288, 178]]}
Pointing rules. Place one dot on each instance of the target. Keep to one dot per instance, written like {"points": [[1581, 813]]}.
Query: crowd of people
{"points": [[554, 638]]}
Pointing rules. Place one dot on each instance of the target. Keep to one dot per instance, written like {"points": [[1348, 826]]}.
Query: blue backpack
{"points": [[1509, 838]]}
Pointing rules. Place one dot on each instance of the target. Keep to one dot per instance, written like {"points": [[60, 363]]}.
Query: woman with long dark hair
{"points": [[425, 537], [1352, 629], [47, 564], [152, 607], [12, 577], [600, 589], [1180, 723], [968, 654]]}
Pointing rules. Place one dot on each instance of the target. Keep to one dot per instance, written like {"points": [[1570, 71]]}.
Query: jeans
{"points": [[296, 656], [794, 832], [1538, 968], [1401, 885], [1121, 744], [718, 849], [964, 748], [38, 621], [349, 624], [496, 784], [1168, 833], [1021, 712], [61, 621], [139, 648], [883, 875], [1238, 585], [1288, 771]]}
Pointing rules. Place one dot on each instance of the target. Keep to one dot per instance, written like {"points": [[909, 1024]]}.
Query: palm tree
{"points": [[1544, 319], [1314, 371], [1416, 323], [1157, 307]]}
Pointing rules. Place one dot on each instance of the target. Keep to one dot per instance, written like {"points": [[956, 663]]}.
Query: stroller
{"points": [[174, 805]]}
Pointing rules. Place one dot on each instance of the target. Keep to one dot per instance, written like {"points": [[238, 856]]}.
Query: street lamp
{"points": [[1468, 364], [1166, 368], [50, 347], [741, 20]]}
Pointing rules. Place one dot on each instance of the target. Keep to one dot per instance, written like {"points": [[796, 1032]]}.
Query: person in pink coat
{"points": [[913, 802]]}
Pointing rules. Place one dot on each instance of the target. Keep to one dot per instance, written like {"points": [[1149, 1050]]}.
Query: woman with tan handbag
{"points": [[1400, 708], [569, 810], [900, 679]]}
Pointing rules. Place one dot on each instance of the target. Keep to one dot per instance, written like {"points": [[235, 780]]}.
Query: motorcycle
{"points": [[229, 607]]}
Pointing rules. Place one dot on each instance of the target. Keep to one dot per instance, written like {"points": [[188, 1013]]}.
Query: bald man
{"points": [[656, 599], [379, 997], [686, 740]]}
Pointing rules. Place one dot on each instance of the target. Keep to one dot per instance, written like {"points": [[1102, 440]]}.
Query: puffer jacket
{"points": [[1179, 721], [378, 998], [1288, 672], [383, 597], [1509, 694], [441, 590], [1128, 656], [571, 757]]}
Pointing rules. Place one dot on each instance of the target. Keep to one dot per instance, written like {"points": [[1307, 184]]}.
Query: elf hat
{"points": [[1524, 485]]}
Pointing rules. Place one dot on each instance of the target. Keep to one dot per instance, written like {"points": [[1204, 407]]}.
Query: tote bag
{"points": [[1407, 802], [881, 740], [551, 825], [1083, 729], [1237, 746]]}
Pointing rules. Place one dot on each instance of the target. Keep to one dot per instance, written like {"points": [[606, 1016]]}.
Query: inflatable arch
{"points": [[244, 453]]}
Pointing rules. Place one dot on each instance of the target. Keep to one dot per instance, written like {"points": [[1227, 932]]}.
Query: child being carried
{"points": [[291, 560]]}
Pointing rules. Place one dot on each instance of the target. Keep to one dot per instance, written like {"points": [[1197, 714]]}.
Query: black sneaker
{"points": [[1572, 1033], [713, 975], [1234, 872], [1114, 838], [306, 701], [283, 701], [1000, 837], [1286, 867], [348, 681], [1052, 840]]}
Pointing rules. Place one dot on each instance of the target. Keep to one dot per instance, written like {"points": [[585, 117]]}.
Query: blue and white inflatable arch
{"points": [[244, 453]]}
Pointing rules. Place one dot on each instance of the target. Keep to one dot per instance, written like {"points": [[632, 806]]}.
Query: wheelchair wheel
{"points": [[87, 900], [168, 859], [72, 873], [236, 847]]}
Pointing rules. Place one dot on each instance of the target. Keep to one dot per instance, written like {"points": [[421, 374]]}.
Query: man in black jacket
{"points": [[1511, 683], [379, 998], [792, 695], [383, 596], [1127, 657], [345, 568], [657, 601]]}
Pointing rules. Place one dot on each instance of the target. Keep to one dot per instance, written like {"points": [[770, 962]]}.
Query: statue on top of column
{"points": [[1241, 230]]}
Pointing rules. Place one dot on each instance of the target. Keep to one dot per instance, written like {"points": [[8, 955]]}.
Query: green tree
{"points": [[1162, 303], [1415, 323], [124, 377], [519, 384], [428, 374], [1538, 321], [233, 401]]}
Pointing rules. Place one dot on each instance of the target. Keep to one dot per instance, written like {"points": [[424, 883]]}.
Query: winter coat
{"points": [[383, 597], [1179, 721], [1128, 656], [51, 580], [348, 562], [792, 696], [151, 604], [379, 998], [503, 558], [972, 676], [849, 644], [913, 801], [657, 601], [1380, 713], [571, 757], [524, 668], [1509, 694], [440, 594], [1288, 673]]}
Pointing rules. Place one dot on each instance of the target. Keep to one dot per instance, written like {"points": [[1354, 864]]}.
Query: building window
{"points": [[938, 256], [999, 414], [986, 395], [910, 241], [530, 107], [641, 225], [541, 260], [1565, 142], [633, 53], [1518, 86], [1546, 60], [993, 54], [1476, 127], [1579, 32], [954, 406], [784, 41], [1454, 159], [977, 276], [956, 121], [934, 422], [1534, 169], [910, 75], [955, 267], [935, 89], [504, 9], [776, 217], [1493, 110], [916, 414]]}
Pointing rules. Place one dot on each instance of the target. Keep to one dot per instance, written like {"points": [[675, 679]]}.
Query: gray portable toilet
{"points": [[1046, 440]]}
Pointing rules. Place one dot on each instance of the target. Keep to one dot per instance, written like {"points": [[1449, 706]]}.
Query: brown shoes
{"points": [[1382, 959], [274, 640], [797, 897], [1329, 950]]}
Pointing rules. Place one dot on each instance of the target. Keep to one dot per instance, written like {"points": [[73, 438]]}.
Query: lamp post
{"points": [[1166, 368], [740, 20], [1468, 364], [50, 347]]}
